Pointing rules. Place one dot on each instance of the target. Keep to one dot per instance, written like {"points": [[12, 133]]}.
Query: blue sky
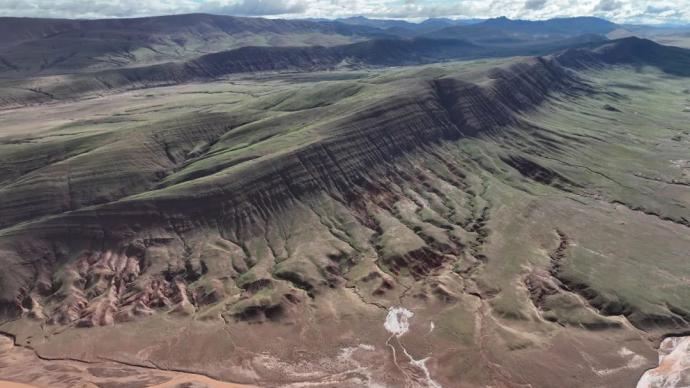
{"points": [[636, 11]]}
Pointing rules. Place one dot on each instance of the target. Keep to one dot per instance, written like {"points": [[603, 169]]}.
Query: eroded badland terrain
{"points": [[312, 218]]}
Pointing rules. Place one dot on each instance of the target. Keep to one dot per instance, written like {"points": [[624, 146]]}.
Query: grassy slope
{"points": [[622, 257], [454, 230], [39, 88]]}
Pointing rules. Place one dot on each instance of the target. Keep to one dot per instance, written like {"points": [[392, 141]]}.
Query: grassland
{"points": [[540, 243]]}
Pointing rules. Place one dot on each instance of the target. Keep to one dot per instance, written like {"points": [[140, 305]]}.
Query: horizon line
{"points": [[416, 20]]}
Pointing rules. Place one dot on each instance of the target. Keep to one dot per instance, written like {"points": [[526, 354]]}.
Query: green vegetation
{"points": [[516, 206]]}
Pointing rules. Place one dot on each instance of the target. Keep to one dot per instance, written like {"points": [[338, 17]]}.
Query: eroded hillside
{"points": [[531, 215]]}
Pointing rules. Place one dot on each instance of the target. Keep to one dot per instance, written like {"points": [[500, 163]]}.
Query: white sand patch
{"points": [[421, 364], [634, 361], [398, 323], [346, 353], [397, 320], [674, 366]]}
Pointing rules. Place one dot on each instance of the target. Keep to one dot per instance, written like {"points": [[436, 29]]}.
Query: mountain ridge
{"points": [[461, 109], [392, 52]]}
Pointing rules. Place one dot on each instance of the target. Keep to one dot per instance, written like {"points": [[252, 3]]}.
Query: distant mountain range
{"points": [[35, 47], [505, 30], [405, 28], [53, 46]]}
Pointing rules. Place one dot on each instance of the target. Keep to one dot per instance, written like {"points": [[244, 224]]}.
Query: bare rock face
{"points": [[541, 284]]}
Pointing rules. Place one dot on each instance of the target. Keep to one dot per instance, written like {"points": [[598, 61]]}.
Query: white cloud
{"points": [[94, 8], [649, 11], [535, 4], [608, 5], [254, 7]]}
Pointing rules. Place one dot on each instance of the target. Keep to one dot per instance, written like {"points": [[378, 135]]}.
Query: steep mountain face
{"points": [[53, 46], [432, 110], [460, 224], [444, 108]]}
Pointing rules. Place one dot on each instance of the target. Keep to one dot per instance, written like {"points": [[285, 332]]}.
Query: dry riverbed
{"points": [[21, 368]]}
